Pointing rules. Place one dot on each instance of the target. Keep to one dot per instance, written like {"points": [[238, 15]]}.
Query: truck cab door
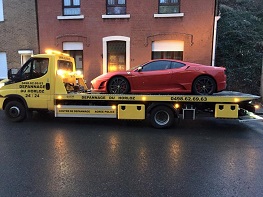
{"points": [[33, 81]]}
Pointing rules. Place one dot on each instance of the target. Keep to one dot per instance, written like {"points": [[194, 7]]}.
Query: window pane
{"points": [[65, 65], [178, 55], [121, 2], [40, 67], [111, 2], [163, 1], [168, 9], [116, 10], [76, 2], [158, 65], [156, 55], [78, 57], [177, 65], [71, 11], [66, 2]]}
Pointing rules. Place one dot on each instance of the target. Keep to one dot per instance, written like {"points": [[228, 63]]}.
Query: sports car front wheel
{"points": [[204, 85], [118, 85]]}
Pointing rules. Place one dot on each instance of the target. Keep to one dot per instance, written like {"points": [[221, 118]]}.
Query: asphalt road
{"points": [[92, 157]]}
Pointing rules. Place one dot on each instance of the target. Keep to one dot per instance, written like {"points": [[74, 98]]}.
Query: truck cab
{"points": [[33, 87]]}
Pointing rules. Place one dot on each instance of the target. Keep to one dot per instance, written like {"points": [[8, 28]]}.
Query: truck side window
{"points": [[33, 68]]}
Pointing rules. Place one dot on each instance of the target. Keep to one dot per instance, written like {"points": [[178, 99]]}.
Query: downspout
{"points": [[215, 39], [37, 24]]}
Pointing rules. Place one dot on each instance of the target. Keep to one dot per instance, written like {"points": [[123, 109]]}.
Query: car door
{"points": [[154, 76], [180, 73]]}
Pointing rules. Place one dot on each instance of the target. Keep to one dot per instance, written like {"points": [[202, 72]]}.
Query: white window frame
{"points": [[115, 38], [1, 10], [70, 17], [24, 53]]}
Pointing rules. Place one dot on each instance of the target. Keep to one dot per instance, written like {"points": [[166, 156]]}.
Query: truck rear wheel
{"points": [[161, 117], [15, 111]]}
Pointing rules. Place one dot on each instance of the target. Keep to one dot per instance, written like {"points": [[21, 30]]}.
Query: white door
{"points": [[3, 66]]}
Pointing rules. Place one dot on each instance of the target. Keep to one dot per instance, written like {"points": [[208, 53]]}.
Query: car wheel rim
{"points": [[204, 86], [14, 112], [161, 118], [118, 86]]}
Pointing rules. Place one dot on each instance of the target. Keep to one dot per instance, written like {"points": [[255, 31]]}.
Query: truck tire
{"points": [[161, 117], [15, 111]]}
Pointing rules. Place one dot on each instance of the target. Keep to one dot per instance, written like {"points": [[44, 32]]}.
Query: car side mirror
{"points": [[139, 69]]}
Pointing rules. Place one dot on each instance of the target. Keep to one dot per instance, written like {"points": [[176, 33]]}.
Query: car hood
{"points": [[111, 74]]}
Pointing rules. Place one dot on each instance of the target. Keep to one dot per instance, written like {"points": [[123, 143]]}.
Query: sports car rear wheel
{"points": [[118, 85], [204, 85]]}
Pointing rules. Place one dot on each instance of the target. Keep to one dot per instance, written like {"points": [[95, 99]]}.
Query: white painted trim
{"points": [[116, 16], [25, 52], [71, 46], [168, 45], [168, 15], [214, 40], [70, 17], [114, 38], [1, 10]]}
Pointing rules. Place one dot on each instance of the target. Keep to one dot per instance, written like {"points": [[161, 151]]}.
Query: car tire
{"points": [[118, 85], [204, 85], [15, 111]]}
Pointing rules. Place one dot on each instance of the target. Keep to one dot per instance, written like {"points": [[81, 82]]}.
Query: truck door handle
{"points": [[47, 86]]}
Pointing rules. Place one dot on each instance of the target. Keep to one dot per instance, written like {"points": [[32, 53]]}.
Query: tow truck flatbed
{"points": [[221, 97]]}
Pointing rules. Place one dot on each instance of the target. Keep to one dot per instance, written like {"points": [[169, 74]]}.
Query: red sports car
{"points": [[163, 76]]}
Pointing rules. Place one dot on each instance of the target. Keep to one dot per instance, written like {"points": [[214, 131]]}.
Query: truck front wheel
{"points": [[161, 117], [15, 111]]}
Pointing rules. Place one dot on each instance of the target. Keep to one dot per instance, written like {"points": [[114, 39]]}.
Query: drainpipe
{"points": [[214, 40], [261, 82]]}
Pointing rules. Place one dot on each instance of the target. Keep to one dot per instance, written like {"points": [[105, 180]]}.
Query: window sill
{"points": [[116, 16], [168, 15], [70, 17]]}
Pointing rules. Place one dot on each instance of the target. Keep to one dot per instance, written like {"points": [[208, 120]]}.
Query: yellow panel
{"points": [[131, 111], [226, 111], [85, 111]]}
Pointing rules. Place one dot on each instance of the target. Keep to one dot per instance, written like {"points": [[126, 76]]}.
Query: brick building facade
{"points": [[108, 35], [18, 33]]}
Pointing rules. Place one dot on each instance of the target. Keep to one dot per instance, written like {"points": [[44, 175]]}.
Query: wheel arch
{"points": [[13, 97], [170, 105], [107, 83], [204, 75]]}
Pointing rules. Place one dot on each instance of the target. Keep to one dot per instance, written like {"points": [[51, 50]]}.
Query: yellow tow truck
{"points": [[50, 82]]}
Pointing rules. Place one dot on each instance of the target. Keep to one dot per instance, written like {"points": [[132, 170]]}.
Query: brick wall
{"points": [[195, 28], [18, 31]]}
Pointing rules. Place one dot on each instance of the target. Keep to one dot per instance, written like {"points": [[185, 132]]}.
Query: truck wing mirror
{"points": [[12, 73]]}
